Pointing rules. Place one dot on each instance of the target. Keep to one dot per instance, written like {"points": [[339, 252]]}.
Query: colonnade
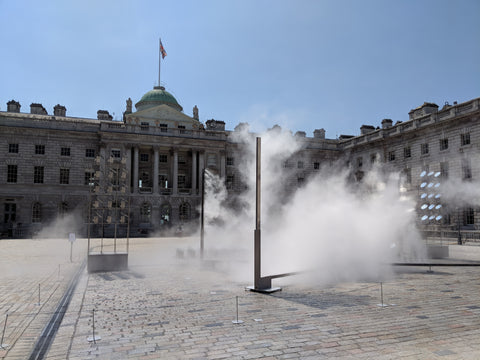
{"points": [[198, 163]]}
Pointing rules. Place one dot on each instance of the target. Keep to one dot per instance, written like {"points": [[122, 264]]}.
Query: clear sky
{"points": [[302, 64]]}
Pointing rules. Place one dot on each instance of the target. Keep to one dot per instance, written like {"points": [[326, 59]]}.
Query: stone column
{"points": [[103, 168], [128, 168], [175, 171], [135, 170], [194, 172], [201, 166], [155, 170], [222, 164]]}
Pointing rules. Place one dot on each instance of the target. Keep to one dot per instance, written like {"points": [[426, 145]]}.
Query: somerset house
{"points": [[143, 175]]}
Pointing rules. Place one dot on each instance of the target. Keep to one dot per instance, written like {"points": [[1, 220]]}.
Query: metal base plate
{"points": [[264, 291]]}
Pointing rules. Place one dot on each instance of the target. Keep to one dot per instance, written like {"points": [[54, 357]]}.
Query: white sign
{"points": [[71, 237]]}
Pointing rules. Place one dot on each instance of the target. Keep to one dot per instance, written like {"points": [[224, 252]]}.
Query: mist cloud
{"points": [[330, 227]]}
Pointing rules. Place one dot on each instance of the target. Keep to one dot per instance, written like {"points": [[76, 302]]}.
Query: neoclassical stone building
{"points": [[143, 175]]}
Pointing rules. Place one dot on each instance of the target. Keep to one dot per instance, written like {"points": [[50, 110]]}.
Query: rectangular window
{"points": [[39, 149], [37, 213], [181, 159], [407, 152], [163, 158], [38, 172], [12, 173], [116, 153], [163, 181], [424, 149], [468, 216], [230, 161], [89, 178], [447, 219], [144, 157], [444, 170], [230, 179], [90, 153], [466, 170], [144, 126], [163, 127], [300, 165], [408, 176], [182, 181], [316, 166], [391, 155], [115, 176], [64, 176], [443, 144], [65, 151], [359, 162], [182, 129], [373, 158], [13, 148], [465, 139], [300, 181], [10, 212], [144, 181]]}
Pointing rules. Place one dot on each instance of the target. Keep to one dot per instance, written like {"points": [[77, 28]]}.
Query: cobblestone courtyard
{"points": [[164, 307]]}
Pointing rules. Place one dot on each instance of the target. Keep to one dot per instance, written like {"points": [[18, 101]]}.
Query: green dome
{"points": [[155, 97]]}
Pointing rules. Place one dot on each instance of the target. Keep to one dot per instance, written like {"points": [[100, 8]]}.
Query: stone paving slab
{"points": [[168, 308]]}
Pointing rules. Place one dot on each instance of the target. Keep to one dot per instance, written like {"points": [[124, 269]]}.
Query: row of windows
{"points": [[425, 149], [40, 150], [38, 175], [465, 216], [163, 127], [444, 171], [300, 165], [89, 177], [10, 212], [115, 153]]}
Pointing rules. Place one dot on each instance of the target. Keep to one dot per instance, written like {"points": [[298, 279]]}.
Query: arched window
{"points": [[165, 214], [36, 212], [184, 211], [145, 212], [63, 209]]}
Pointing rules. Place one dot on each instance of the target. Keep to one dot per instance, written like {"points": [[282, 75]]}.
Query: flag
{"points": [[162, 50]]}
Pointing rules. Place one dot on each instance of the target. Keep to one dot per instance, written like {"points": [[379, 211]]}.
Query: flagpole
{"points": [[159, 58]]}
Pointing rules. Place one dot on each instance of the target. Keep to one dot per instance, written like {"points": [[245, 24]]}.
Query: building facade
{"points": [[143, 175]]}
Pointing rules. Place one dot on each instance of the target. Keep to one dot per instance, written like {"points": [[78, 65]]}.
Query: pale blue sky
{"points": [[332, 64]]}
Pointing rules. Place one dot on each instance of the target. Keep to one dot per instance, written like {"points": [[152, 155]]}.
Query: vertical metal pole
{"points": [[237, 308], [202, 220], [103, 229], [117, 181], [128, 224], [93, 326], [459, 241], [257, 244], [381, 292], [71, 251], [89, 213]]}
